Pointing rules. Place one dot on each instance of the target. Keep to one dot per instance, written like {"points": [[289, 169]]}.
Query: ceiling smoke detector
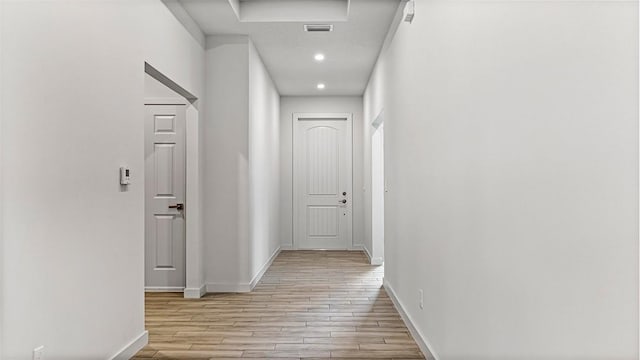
{"points": [[318, 27]]}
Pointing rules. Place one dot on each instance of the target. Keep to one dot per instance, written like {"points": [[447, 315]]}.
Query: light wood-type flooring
{"points": [[309, 304]]}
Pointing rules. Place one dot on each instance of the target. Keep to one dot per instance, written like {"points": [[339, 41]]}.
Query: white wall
{"points": [[242, 155], [2, 267], [73, 241], [318, 104], [227, 160], [511, 134], [264, 160]]}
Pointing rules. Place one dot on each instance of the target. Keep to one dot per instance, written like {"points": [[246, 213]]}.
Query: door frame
{"points": [[195, 285], [173, 101], [377, 194], [296, 185]]}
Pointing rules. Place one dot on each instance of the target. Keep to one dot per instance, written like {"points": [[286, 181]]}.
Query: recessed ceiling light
{"points": [[320, 86], [319, 57]]}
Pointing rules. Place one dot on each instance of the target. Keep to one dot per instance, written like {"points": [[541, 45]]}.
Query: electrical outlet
{"points": [[421, 298], [38, 353]]}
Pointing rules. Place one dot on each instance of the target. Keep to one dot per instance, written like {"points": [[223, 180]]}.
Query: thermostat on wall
{"points": [[125, 176], [410, 11]]}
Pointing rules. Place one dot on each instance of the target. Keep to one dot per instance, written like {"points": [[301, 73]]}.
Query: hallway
{"points": [[309, 304], [160, 160]]}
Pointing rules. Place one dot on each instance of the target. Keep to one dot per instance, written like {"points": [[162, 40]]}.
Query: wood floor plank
{"points": [[309, 304], [295, 354], [197, 354]]}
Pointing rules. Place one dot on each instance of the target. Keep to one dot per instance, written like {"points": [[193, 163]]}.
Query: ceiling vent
{"points": [[318, 28]]}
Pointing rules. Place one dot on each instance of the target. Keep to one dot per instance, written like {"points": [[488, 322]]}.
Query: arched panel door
{"points": [[322, 181]]}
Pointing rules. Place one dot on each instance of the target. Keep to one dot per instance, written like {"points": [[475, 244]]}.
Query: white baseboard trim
{"points": [[228, 287], [359, 247], [243, 287], [420, 339], [195, 293], [373, 261], [366, 251], [286, 247], [133, 347], [265, 267], [163, 289]]}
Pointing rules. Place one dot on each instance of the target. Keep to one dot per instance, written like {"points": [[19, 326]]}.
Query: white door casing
{"points": [[164, 190], [322, 181], [377, 193]]}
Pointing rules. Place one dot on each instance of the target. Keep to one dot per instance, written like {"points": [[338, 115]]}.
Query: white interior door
{"points": [[322, 179], [165, 197]]}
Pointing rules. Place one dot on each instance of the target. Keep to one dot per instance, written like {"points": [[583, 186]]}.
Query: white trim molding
{"points": [[133, 347], [228, 287], [243, 287], [377, 261], [322, 116], [163, 289], [195, 293], [424, 345], [265, 267], [358, 247]]}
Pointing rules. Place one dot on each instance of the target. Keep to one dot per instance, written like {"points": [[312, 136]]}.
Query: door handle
{"points": [[178, 207], [343, 201]]}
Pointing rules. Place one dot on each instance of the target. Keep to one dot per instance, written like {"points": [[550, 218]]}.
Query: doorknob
{"points": [[178, 207], [343, 201]]}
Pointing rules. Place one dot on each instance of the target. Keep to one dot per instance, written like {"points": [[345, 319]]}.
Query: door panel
{"points": [[323, 221], [164, 241], [164, 188], [322, 181], [164, 171], [322, 160]]}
